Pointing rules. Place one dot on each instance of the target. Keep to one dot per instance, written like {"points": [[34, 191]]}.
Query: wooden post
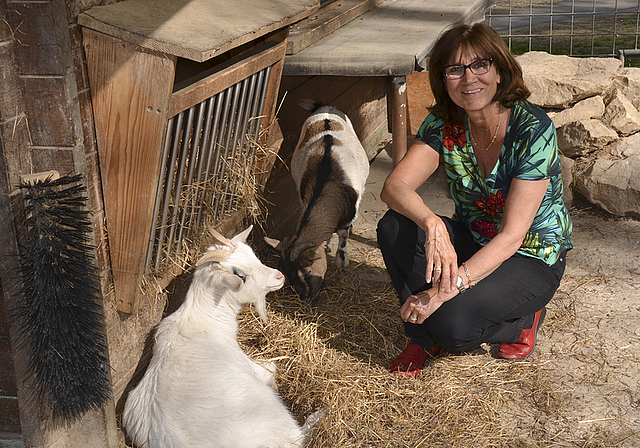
{"points": [[131, 89], [399, 117]]}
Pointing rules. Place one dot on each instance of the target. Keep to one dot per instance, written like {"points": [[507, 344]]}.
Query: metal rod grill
{"points": [[208, 153], [571, 27]]}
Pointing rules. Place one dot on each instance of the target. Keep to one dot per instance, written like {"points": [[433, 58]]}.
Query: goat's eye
{"points": [[240, 273]]}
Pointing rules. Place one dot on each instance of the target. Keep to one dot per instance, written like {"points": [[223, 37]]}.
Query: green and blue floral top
{"points": [[529, 152]]}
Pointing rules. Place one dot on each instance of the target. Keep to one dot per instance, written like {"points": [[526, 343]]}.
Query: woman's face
{"points": [[472, 92]]}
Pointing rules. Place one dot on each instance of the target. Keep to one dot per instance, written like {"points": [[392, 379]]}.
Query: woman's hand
{"points": [[417, 308], [442, 260]]}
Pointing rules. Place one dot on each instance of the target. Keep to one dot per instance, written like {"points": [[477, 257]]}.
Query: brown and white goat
{"points": [[201, 389], [329, 167]]}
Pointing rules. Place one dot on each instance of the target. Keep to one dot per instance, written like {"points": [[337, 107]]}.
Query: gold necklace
{"points": [[473, 141]]}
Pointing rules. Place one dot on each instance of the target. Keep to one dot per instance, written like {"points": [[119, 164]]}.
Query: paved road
{"points": [[580, 10]]}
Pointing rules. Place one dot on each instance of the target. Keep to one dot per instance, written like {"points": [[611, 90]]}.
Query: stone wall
{"points": [[594, 105]]}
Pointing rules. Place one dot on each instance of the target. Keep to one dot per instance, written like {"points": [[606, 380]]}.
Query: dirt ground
{"points": [[589, 344], [596, 346]]}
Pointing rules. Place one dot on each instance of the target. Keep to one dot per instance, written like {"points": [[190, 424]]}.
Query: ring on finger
{"points": [[437, 268], [414, 318]]}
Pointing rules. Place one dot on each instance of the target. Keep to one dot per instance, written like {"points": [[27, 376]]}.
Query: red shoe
{"points": [[524, 346], [409, 363]]}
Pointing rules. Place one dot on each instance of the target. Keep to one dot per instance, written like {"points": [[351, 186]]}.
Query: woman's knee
{"points": [[388, 228], [455, 331], [394, 228]]}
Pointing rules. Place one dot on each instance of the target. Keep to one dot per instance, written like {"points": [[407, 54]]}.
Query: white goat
{"points": [[201, 389], [329, 167]]}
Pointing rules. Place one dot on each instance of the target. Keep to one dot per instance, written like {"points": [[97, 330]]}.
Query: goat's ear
{"points": [[274, 243], [232, 281], [242, 237]]}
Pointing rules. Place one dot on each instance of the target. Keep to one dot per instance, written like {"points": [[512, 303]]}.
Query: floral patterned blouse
{"points": [[529, 152]]}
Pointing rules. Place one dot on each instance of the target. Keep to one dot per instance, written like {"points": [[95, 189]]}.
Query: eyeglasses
{"points": [[479, 67]]}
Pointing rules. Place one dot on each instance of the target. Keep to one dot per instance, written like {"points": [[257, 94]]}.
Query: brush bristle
{"points": [[61, 317]]}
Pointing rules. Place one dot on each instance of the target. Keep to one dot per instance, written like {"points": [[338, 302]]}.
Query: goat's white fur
{"points": [[201, 389]]}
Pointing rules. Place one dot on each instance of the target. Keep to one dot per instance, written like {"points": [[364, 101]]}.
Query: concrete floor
{"points": [[434, 193]]}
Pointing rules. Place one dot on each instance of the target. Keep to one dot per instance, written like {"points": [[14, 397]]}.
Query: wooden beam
{"points": [[226, 75]]}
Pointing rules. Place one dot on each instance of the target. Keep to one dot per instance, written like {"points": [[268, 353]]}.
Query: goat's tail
{"points": [[310, 105]]}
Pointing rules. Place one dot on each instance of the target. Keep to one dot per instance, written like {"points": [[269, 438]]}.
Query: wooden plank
{"points": [[9, 416], [271, 99], [266, 159], [49, 118], [419, 99], [390, 39], [226, 75], [131, 88], [198, 29], [328, 19]]}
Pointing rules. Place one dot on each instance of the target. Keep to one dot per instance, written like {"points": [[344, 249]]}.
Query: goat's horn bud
{"points": [[214, 256], [217, 235]]}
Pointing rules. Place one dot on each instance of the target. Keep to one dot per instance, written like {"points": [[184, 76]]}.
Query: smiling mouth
{"points": [[469, 92]]}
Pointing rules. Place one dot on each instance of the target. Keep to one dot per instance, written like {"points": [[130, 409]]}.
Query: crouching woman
{"points": [[485, 275]]}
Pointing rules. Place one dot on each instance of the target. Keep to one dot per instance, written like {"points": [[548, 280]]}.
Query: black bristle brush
{"points": [[60, 313]]}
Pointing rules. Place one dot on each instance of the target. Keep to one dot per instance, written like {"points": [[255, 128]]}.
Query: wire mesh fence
{"points": [[607, 28]]}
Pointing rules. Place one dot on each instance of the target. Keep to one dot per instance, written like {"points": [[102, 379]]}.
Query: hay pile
{"points": [[334, 355]]}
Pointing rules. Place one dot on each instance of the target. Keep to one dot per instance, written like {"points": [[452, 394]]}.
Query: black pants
{"points": [[496, 309]]}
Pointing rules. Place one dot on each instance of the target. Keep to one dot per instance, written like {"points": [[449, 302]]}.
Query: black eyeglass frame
{"points": [[465, 67]]}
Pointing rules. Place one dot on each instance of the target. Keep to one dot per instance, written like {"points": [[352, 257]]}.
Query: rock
{"points": [[613, 185], [628, 81], [592, 107], [558, 81], [621, 115], [612, 182], [624, 147], [579, 138], [567, 179]]}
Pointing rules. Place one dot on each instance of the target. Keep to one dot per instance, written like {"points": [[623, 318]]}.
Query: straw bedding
{"points": [[334, 355]]}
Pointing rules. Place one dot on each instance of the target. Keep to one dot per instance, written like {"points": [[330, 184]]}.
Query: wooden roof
{"points": [[194, 29], [393, 38]]}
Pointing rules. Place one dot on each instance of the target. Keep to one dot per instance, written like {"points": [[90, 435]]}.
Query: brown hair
{"points": [[487, 44]]}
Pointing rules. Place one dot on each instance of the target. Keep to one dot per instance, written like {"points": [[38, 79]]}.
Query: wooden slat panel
{"points": [[130, 90], [226, 75]]}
